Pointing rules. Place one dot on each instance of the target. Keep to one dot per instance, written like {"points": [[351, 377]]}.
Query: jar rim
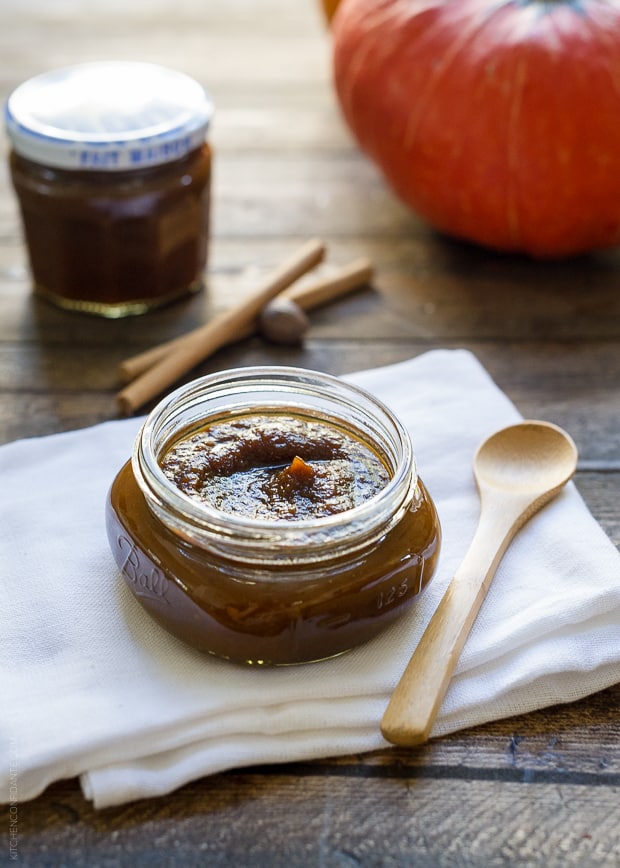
{"points": [[108, 116], [352, 525]]}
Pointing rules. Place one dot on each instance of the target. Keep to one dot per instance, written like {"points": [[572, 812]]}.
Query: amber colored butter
{"points": [[273, 516], [275, 467]]}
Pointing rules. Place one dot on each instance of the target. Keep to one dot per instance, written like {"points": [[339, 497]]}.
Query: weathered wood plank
{"points": [[457, 294], [542, 379], [255, 820]]}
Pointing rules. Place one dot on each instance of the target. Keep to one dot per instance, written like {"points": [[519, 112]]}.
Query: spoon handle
{"points": [[415, 702]]}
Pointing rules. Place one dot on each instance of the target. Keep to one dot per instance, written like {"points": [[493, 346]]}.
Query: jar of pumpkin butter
{"points": [[112, 169], [273, 515]]}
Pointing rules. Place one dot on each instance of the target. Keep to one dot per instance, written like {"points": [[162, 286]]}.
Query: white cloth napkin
{"points": [[91, 686]]}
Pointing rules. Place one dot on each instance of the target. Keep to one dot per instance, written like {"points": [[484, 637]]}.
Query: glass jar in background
{"points": [[261, 591], [111, 167]]}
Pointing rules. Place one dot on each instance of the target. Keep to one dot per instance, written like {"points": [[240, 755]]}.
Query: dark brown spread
{"points": [[275, 467], [113, 243], [289, 610]]}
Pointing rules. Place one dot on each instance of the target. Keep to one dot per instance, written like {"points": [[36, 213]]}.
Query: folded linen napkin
{"points": [[91, 686]]}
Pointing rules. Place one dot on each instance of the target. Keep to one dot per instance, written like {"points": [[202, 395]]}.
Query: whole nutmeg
{"points": [[283, 321]]}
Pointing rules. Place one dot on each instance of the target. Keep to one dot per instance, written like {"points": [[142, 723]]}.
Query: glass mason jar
{"points": [[111, 169], [258, 591]]}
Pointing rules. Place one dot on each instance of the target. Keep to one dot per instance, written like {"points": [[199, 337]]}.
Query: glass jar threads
{"points": [[264, 586], [111, 168]]}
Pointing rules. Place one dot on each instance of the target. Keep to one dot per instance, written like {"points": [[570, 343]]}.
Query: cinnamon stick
{"points": [[327, 289], [308, 297], [217, 332]]}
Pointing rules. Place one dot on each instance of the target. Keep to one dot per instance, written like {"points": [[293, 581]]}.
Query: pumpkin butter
{"points": [[275, 467], [273, 516], [112, 171]]}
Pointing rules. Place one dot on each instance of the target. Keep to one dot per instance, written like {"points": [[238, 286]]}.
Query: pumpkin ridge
{"points": [[514, 120], [462, 47]]}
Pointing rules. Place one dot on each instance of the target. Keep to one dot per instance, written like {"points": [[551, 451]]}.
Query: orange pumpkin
{"points": [[497, 121]]}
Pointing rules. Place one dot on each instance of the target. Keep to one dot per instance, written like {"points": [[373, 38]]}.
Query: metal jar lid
{"points": [[108, 116]]}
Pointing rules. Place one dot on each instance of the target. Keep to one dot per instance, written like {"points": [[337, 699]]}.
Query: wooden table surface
{"points": [[543, 789]]}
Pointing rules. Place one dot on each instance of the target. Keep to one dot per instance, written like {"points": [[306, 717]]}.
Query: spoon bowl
{"points": [[524, 456], [517, 470]]}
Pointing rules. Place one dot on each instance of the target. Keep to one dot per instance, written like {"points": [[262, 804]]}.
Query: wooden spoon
{"points": [[517, 471]]}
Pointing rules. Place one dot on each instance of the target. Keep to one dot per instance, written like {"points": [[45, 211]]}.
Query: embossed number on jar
{"points": [[395, 592]]}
